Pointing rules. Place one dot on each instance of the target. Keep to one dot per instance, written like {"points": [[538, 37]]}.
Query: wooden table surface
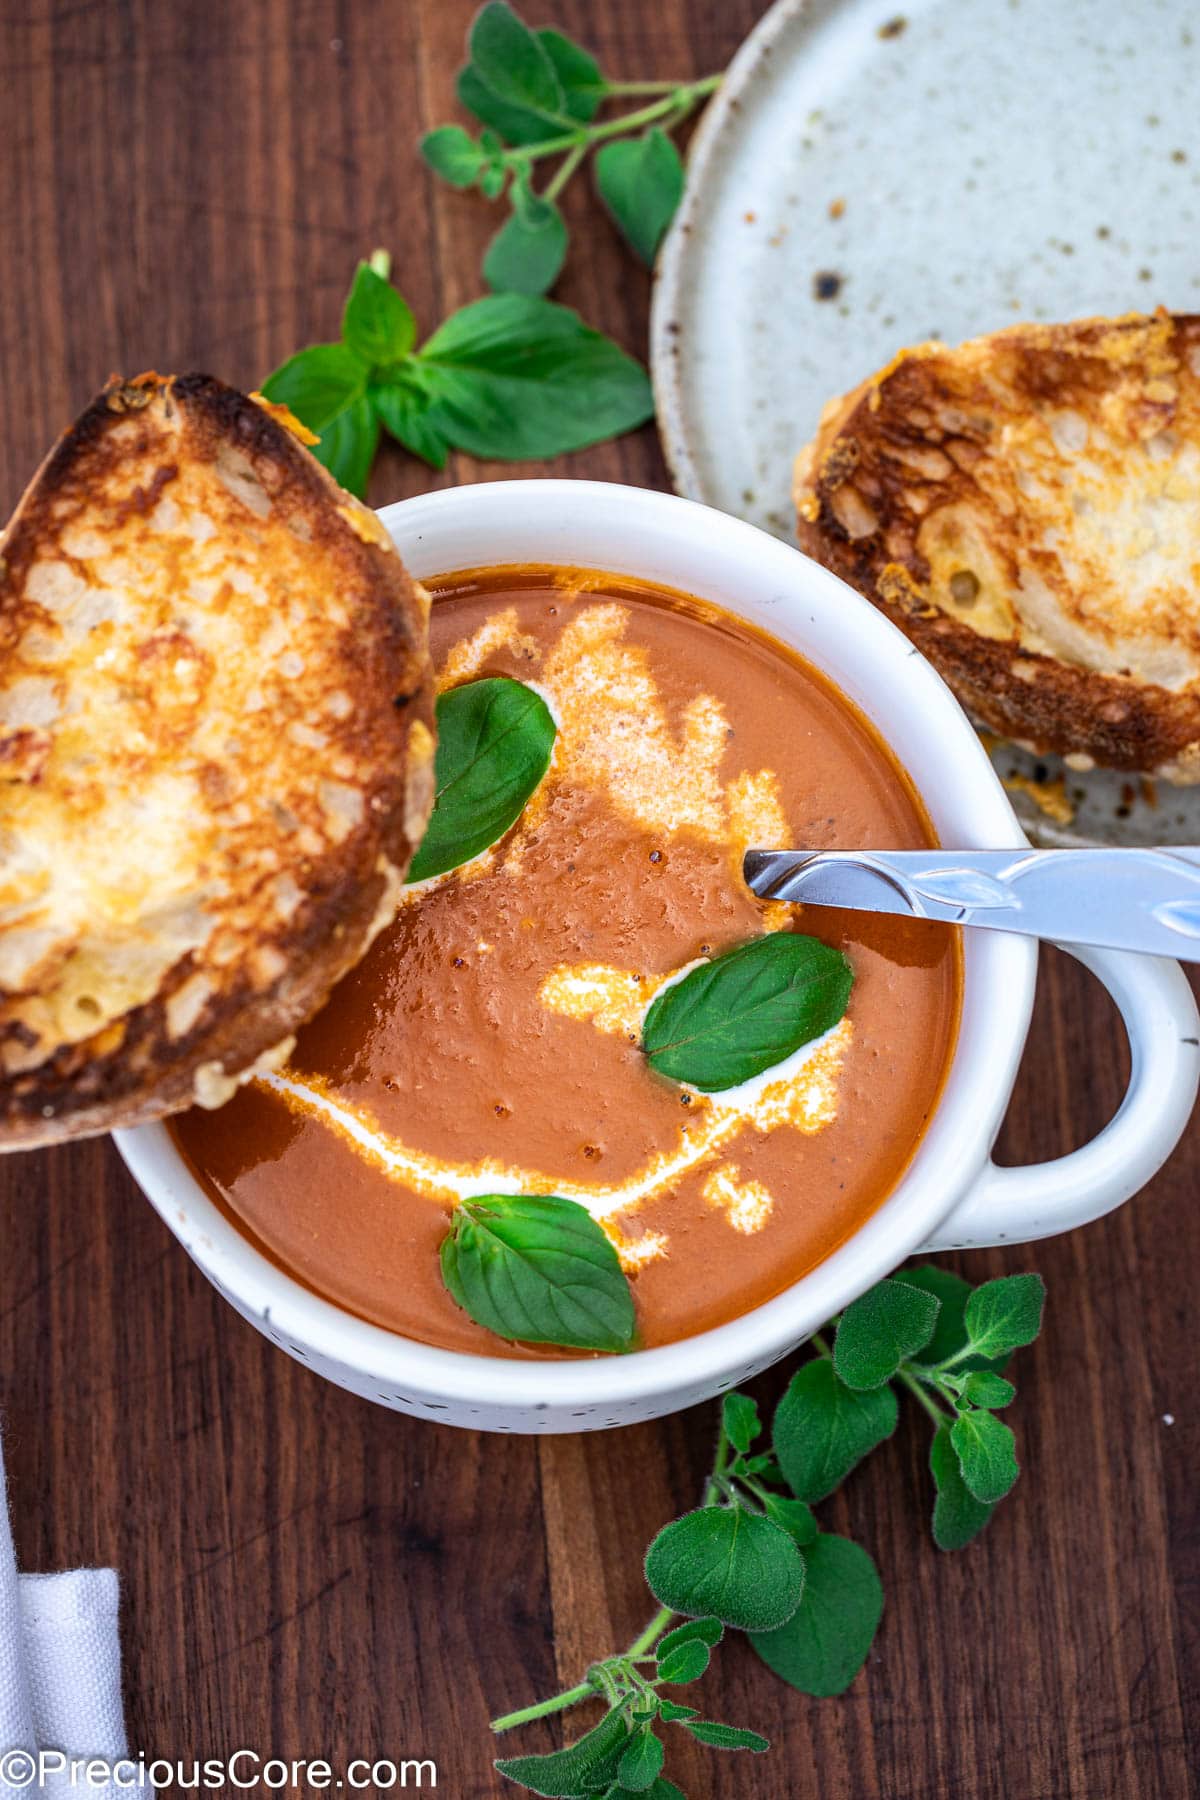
{"points": [[187, 186]]}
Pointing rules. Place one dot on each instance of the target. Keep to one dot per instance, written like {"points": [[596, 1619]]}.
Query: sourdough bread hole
{"points": [[964, 587], [1075, 1068]]}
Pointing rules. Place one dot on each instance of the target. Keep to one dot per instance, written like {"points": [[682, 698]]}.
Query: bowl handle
{"points": [[1015, 1206]]}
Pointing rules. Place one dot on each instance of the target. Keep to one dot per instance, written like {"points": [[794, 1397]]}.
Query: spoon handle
{"points": [[1145, 900]]}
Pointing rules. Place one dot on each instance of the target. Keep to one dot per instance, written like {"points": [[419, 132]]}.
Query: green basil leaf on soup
{"points": [[538, 1269], [494, 743], [641, 183], [823, 1428], [517, 377], [743, 1012], [957, 1515], [724, 1562], [880, 1330], [825, 1643]]}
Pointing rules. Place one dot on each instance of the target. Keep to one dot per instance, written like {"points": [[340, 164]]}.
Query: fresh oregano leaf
{"points": [[725, 1562], [528, 251], [454, 154], [407, 413], [983, 1387], [494, 743], [377, 322], [671, 1714], [957, 1515], [763, 1464], [709, 1631], [823, 1646], [1004, 1314], [641, 1764], [726, 1737], [578, 72], [686, 1662], [516, 377], [823, 1428], [641, 183], [794, 1517], [662, 1789], [743, 1012], [513, 63], [513, 124], [581, 1768], [539, 1269], [740, 1415], [987, 1454], [880, 1330]]}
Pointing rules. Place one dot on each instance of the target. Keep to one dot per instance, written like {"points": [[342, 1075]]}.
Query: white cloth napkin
{"points": [[60, 1676]]}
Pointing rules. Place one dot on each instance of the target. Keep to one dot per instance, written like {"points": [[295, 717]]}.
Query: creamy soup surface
{"points": [[488, 1043]]}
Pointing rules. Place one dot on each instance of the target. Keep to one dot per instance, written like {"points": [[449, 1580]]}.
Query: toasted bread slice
{"points": [[1027, 509], [216, 754]]}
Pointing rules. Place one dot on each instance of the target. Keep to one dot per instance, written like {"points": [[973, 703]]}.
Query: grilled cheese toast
{"points": [[1026, 508], [216, 754]]}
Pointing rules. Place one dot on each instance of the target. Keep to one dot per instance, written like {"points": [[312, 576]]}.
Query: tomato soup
{"points": [[490, 1040]]}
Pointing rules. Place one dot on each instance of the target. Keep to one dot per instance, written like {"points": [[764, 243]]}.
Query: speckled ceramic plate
{"points": [[874, 173]]}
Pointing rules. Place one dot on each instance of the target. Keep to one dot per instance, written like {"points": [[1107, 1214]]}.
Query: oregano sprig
{"points": [[538, 98], [753, 1557]]}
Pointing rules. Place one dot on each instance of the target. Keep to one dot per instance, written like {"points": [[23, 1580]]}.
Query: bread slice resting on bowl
{"points": [[1026, 508], [216, 754]]}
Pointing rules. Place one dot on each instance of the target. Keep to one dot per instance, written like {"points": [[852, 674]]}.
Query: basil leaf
{"points": [[794, 1517], [377, 322], [348, 445], [528, 251], [708, 1631], [581, 1768], [950, 1332], [410, 416], [516, 377], [957, 1515], [987, 1455], [726, 1737], [824, 1645], [880, 1330], [1002, 1315], [741, 1421], [538, 1268], [686, 1662], [453, 154], [727, 1563], [318, 383], [641, 1765], [494, 743], [641, 183], [823, 1428], [578, 72], [512, 62], [743, 1012], [984, 1388]]}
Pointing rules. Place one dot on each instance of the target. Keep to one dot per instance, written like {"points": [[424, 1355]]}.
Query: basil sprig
{"points": [[752, 1556], [537, 96], [734, 1017], [538, 1268], [494, 742], [509, 376]]}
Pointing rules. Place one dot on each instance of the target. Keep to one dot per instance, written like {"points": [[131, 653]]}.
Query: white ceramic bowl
{"points": [[952, 1193]]}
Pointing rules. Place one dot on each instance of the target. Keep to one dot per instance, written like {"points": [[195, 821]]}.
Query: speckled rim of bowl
{"points": [[585, 524], [668, 304]]}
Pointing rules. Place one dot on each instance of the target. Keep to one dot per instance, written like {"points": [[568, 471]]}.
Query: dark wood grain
{"points": [[187, 185]]}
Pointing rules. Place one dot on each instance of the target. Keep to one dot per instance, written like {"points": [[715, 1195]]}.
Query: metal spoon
{"points": [[1146, 900]]}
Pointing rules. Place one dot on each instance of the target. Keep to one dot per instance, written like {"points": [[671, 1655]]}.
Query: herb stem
{"points": [[541, 1709], [564, 172], [620, 90], [650, 1636], [821, 1344], [679, 100], [914, 1387]]}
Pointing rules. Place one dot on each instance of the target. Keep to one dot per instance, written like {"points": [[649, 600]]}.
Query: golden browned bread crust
{"points": [[216, 750], [1027, 509]]}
